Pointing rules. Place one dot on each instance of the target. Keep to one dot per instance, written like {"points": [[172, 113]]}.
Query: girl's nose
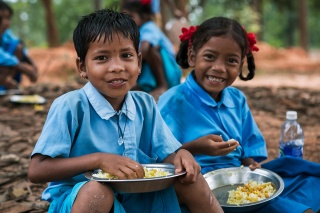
{"points": [[219, 66]]}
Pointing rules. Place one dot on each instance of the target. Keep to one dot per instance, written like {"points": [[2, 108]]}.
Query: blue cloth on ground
{"points": [[302, 184]]}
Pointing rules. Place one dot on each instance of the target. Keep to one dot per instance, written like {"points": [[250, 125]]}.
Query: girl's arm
{"points": [[46, 169], [212, 145]]}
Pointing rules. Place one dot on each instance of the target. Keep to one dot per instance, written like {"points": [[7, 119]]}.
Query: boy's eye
{"points": [[127, 55], [101, 58]]}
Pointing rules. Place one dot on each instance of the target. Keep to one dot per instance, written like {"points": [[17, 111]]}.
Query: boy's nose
{"points": [[116, 66]]}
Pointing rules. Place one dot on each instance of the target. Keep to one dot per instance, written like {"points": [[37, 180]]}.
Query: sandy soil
{"points": [[288, 79]]}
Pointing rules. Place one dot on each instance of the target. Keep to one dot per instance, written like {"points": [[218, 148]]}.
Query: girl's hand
{"points": [[184, 161], [251, 163], [214, 145], [120, 166], [254, 165]]}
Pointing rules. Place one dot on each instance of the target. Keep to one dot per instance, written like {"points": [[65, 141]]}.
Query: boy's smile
{"points": [[217, 64], [112, 66]]}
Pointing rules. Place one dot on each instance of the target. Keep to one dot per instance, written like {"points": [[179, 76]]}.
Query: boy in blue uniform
{"points": [[105, 126]]}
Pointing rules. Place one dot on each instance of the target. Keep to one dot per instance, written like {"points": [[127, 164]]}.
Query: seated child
{"points": [[205, 113], [106, 126], [159, 69], [14, 60]]}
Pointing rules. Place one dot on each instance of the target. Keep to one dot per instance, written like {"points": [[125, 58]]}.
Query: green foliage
{"points": [[280, 18]]}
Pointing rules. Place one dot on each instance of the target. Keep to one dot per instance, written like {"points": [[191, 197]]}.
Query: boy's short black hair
{"points": [[101, 25], [5, 6]]}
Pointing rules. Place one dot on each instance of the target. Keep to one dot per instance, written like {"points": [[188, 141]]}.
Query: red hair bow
{"points": [[144, 2], [187, 33], [251, 37]]}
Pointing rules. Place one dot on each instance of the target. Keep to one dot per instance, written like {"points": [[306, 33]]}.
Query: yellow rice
{"points": [[250, 192], [148, 173]]}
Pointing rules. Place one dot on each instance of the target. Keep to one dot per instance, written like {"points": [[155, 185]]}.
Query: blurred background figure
{"points": [[14, 60], [159, 69]]}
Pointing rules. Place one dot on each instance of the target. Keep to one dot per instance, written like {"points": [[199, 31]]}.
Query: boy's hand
{"points": [[251, 163], [120, 166], [254, 165], [184, 161]]}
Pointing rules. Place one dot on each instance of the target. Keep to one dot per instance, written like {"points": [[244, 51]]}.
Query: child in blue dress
{"points": [[14, 60], [159, 68], [212, 119], [106, 126]]}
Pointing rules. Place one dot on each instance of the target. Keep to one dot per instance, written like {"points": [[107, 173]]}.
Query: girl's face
{"points": [[217, 64], [112, 67]]}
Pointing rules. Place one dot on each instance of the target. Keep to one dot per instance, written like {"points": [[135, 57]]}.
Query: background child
{"points": [[14, 59], [159, 68], [205, 112], [104, 126]]}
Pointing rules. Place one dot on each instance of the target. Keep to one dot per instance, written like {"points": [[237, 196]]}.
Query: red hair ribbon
{"points": [[251, 37], [145, 2], [187, 33]]}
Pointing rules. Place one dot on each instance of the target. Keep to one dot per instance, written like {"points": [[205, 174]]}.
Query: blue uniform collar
{"points": [[104, 108], [226, 98]]}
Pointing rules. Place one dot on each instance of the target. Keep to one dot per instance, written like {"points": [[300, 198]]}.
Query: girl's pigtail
{"points": [[186, 43], [251, 68], [251, 41]]}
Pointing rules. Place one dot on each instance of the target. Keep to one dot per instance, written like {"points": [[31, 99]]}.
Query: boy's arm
{"points": [[46, 169], [184, 161]]}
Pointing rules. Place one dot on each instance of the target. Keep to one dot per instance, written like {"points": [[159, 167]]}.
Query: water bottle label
{"points": [[291, 151]]}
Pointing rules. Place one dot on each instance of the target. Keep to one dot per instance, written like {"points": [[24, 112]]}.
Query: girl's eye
{"points": [[232, 60], [209, 56]]}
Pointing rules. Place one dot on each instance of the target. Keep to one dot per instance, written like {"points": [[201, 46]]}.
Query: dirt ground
{"points": [[287, 79]]}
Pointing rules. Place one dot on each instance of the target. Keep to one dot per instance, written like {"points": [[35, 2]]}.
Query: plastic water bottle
{"points": [[291, 137]]}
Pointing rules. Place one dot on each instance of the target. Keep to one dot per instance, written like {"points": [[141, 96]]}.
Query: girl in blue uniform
{"points": [[105, 126], [159, 69], [212, 119]]}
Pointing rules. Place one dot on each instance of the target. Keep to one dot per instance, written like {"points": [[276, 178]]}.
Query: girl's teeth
{"points": [[214, 79], [117, 81]]}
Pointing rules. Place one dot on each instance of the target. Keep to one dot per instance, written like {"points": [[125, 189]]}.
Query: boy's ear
{"points": [[191, 57], [81, 68]]}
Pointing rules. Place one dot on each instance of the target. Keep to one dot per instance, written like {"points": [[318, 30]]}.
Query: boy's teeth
{"points": [[210, 78], [117, 81]]}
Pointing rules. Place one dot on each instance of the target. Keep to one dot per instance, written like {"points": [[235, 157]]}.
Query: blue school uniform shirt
{"points": [[191, 112], [151, 33], [83, 122], [8, 45]]}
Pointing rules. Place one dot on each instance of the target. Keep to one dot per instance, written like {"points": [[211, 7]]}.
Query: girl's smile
{"points": [[217, 64]]}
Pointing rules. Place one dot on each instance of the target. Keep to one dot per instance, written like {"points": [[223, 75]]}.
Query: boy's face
{"points": [[112, 67], [217, 64]]}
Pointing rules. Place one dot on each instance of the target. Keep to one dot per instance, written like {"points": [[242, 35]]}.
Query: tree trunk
{"points": [[97, 5], [257, 6], [303, 31], [52, 32]]}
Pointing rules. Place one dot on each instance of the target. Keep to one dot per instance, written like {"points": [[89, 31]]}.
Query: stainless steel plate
{"points": [[223, 180], [27, 99], [140, 185]]}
